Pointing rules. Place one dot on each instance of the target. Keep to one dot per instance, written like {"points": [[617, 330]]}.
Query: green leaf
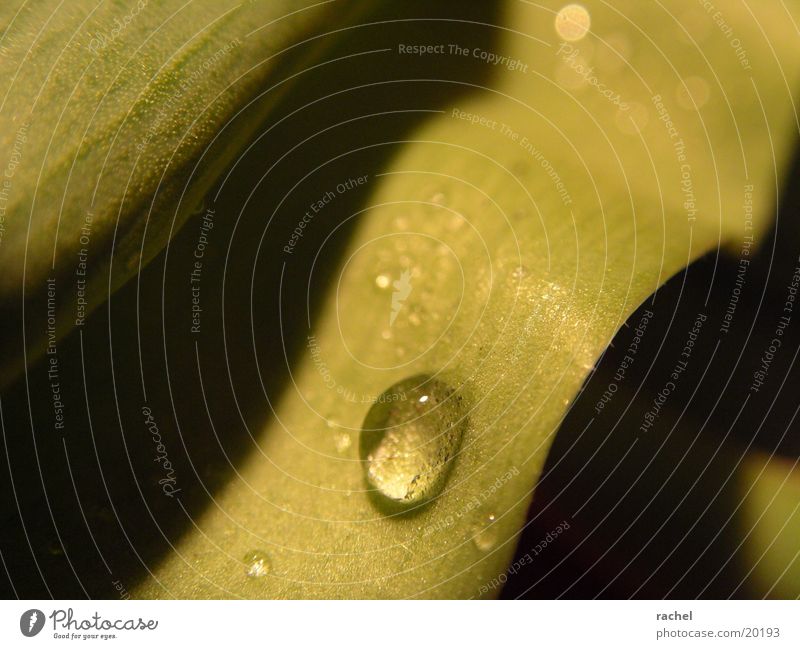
{"points": [[770, 500], [116, 118], [528, 247]]}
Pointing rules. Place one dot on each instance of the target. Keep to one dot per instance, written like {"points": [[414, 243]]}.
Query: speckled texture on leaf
{"points": [[520, 280], [108, 110]]}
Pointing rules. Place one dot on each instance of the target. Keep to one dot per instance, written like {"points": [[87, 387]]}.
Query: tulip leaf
{"points": [[117, 118], [500, 252]]}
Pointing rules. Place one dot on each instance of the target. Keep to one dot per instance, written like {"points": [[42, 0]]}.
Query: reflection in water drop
{"points": [[410, 437], [256, 564]]}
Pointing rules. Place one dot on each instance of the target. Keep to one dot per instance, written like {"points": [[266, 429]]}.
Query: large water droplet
{"points": [[256, 564], [409, 439]]}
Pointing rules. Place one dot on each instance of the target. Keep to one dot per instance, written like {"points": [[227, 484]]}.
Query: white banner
{"points": [[401, 624]]}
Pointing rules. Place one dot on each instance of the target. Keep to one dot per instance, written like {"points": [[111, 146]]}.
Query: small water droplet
{"points": [[519, 273], [383, 281], [342, 442], [256, 564], [484, 535], [409, 439]]}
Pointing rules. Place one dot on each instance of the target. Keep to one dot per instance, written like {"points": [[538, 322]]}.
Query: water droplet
{"points": [[342, 442], [693, 93], [572, 22], [485, 536], [571, 74], [383, 281], [519, 273], [456, 222], [409, 439], [256, 564]]}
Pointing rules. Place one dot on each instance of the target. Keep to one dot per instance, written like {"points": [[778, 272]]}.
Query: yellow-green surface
{"points": [[770, 490], [528, 246], [107, 113]]}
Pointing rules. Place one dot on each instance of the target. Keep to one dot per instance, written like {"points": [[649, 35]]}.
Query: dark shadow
{"points": [[655, 513]]}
